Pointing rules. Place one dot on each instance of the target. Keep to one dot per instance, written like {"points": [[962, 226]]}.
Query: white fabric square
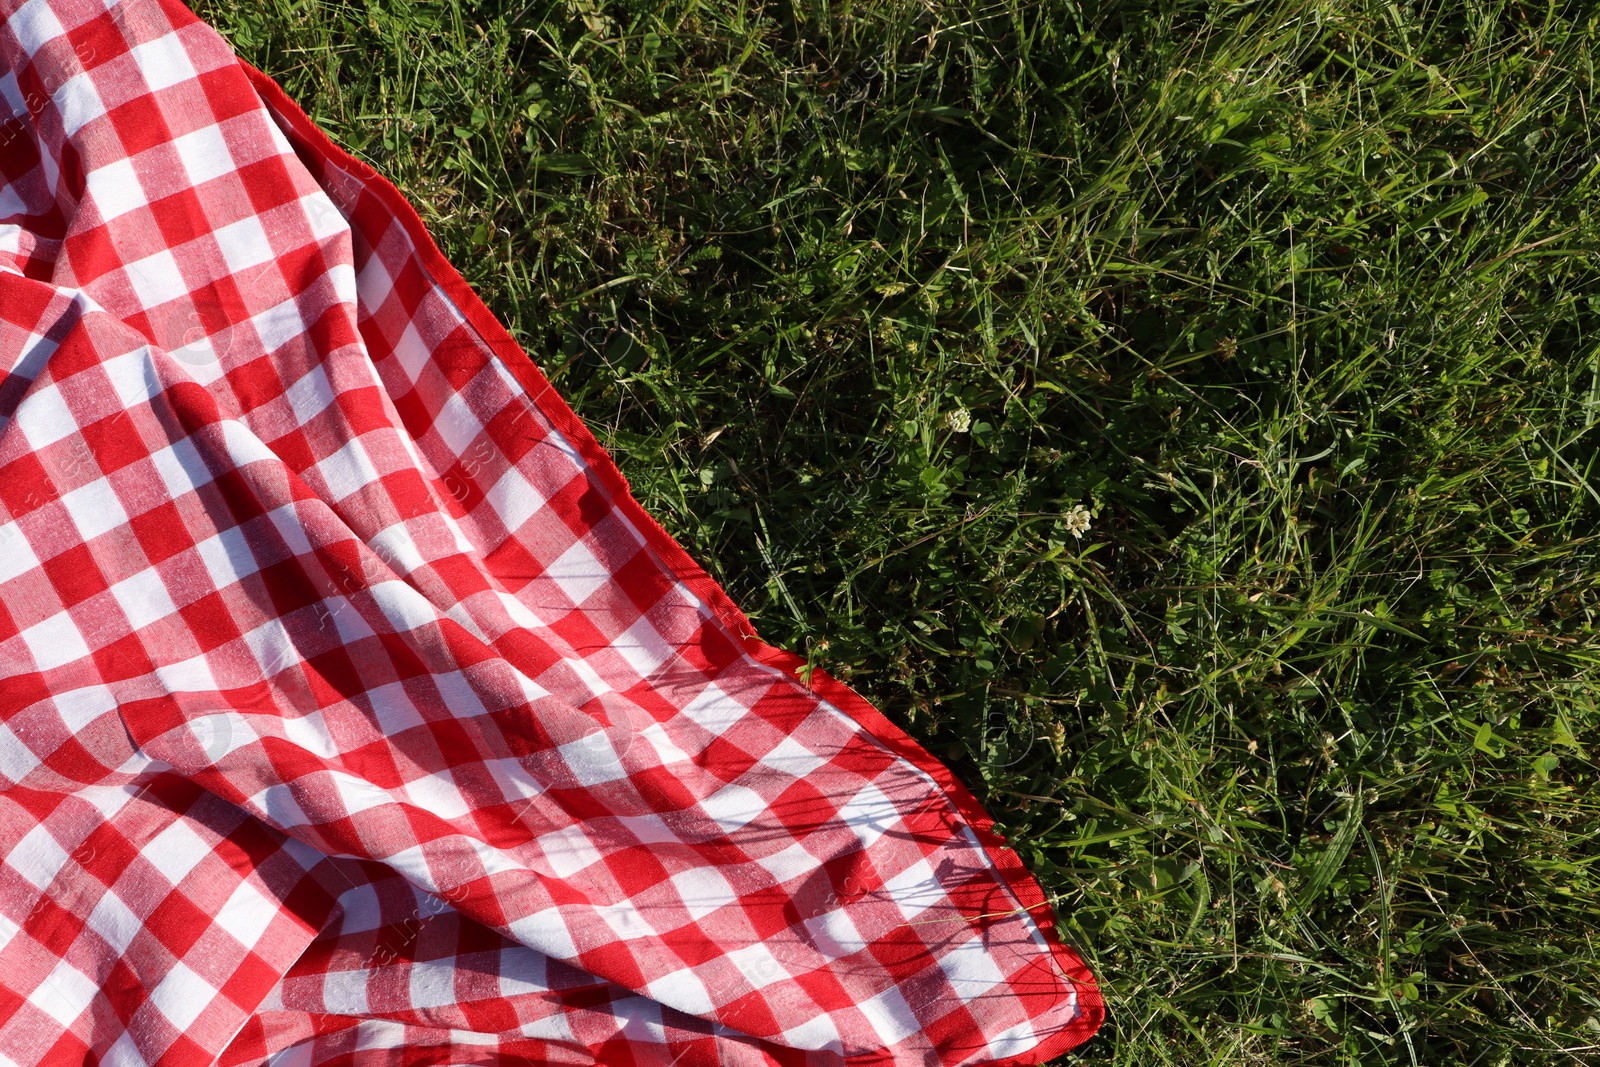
{"points": [[156, 279], [204, 154], [413, 861], [244, 244], [243, 446], [308, 731], [412, 352], [360, 909], [164, 62], [592, 759], [732, 806], [515, 783], [64, 994], [310, 396], [222, 733], [278, 325], [817, 1033], [567, 851], [94, 508], [10, 91], [325, 219], [287, 524], [114, 922], [792, 862], [682, 990], [254, 137], [347, 470], [133, 376], [971, 969], [431, 984], [8, 930], [649, 829], [703, 890], [277, 805], [78, 103], [181, 467], [493, 861], [456, 425], [625, 921], [176, 851], [348, 621], [791, 757], [143, 598], [227, 557], [555, 439], [16, 555], [713, 710], [667, 752], [641, 1020], [915, 890], [280, 143], [44, 418], [192, 675], [578, 573], [394, 710], [17, 760], [37, 856], [643, 647], [55, 641], [374, 283], [246, 914], [870, 814], [35, 26], [192, 347], [124, 1052], [545, 931], [1013, 1042], [115, 189], [890, 1016], [33, 350], [590, 677], [519, 613], [182, 995], [379, 1033], [404, 607], [758, 965], [524, 972], [394, 546], [11, 204], [357, 794], [344, 992], [834, 935], [514, 500], [79, 707], [108, 800], [437, 794]]}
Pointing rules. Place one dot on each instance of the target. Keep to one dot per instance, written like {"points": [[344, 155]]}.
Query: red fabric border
{"points": [[1090, 1001]]}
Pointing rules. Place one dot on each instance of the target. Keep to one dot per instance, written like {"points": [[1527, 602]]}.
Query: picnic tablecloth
{"points": [[351, 709]]}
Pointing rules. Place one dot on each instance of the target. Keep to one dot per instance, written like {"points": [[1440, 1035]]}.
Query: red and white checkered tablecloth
{"points": [[351, 710]]}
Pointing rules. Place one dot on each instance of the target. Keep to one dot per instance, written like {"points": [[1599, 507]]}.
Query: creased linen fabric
{"points": [[351, 710]]}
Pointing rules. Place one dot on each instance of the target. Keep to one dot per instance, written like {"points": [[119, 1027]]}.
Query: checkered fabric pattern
{"points": [[351, 710]]}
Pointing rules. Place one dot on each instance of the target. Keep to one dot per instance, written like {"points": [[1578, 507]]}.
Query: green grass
{"points": [[1298, 299]]}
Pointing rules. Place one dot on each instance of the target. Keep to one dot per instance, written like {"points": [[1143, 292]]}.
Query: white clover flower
{"points": [[1078, 521], [959, 420]]}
